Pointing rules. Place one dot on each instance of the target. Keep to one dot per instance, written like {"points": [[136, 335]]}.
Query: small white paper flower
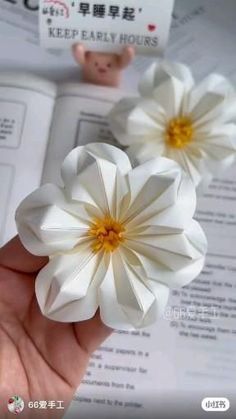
{"points": [[173, 117], [118, 238]]}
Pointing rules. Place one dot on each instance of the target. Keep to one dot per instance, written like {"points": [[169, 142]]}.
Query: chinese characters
{"points": [[114, 11], [53, 11], [43, 404]]}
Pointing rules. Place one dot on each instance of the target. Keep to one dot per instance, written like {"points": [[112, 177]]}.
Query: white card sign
{"points": [[106, 25]]}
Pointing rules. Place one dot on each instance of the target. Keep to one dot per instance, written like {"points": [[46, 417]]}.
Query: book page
{"points": [[79, 118], [26, 107], [167, 370]]}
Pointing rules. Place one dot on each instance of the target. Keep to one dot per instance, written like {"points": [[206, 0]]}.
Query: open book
{"points": [[40, 123]]}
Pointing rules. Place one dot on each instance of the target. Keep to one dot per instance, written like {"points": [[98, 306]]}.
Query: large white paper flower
{"points": [[173, 117], [118, 238]]}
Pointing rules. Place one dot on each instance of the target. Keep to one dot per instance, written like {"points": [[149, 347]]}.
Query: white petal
{"points": [[125, 301], [179, 215], [96, 185], [81, 157], [209, 153], [231, 108], [173, 260], [154, 110], [215, 130], [192, 165], [167, 199], [160, 273], [111, 312], [156, 74], [96, 179], [212, 152], [220, 142], [45, 224], [66, 288], [142, 152], [142, 120], [208, 100], [161, 171], [169, 251], [118, 119], [170, 96], [132, 120], [160, 291]]}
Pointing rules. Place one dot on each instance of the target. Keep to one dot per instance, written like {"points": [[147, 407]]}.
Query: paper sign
{"points": [[106, 25]]}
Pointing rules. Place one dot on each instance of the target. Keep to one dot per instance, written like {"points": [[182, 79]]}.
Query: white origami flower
{"points": [[118, 238], [173, 117]]}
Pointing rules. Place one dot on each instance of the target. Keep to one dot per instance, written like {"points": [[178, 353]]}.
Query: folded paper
{"points": [[175, 118], [118, 237]]}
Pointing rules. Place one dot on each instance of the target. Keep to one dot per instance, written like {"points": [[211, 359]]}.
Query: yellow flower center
{"points": [[179, 132], [108, 234]]}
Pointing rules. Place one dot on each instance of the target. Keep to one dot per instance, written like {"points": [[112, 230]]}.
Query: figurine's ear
{"points": [[126, 57], [79, 53]]}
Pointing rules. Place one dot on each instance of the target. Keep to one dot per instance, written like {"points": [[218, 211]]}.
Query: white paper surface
{"points": [[105, 26], [26, 106]]}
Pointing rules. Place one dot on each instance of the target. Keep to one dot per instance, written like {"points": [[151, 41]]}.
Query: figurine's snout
{"points": [[102, 70]]}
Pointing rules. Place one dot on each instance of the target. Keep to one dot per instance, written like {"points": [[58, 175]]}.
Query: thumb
{"points": [[14, 256]]}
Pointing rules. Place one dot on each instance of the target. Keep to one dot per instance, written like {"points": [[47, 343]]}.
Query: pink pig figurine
{"points": [[102, 68]]}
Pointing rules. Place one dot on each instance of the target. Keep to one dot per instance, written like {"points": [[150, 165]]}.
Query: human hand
{"points": [[39, 359]]}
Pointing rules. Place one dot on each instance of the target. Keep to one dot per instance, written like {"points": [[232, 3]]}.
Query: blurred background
{"points": [[203, 36]]}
